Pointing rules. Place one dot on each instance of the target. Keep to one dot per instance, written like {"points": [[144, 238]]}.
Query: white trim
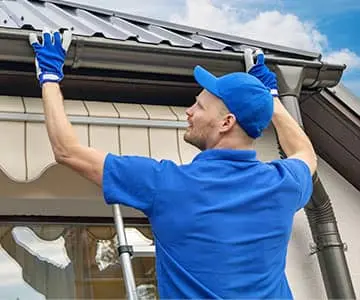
{"points": [[144, 251], [36, 118]]}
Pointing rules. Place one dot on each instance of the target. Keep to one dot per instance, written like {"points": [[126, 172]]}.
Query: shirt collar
{"points": [[226, 154]]}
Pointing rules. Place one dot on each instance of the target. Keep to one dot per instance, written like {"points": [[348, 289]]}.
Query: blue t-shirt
{"points": [[221, 223]]}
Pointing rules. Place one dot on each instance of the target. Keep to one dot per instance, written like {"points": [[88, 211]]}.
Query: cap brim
{"points": [[206, 80]]}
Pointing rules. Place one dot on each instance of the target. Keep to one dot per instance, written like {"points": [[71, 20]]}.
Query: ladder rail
{"points": [[125, 255]]}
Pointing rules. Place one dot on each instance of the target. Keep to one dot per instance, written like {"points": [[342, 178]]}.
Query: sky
{"points": [[330, 27]]}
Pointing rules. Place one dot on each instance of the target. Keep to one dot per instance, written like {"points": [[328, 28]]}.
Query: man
{"points": [[221, 223]]}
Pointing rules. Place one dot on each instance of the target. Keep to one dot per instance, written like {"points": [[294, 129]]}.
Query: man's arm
{"points": [[87, 161], [50, 56], [292, 138]]}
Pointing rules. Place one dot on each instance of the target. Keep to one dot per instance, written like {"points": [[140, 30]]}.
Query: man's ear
{"points": [[227, 122]]}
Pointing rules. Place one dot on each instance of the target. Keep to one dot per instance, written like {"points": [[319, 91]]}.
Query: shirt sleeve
{"points": [[131, 180], [301, 172]]}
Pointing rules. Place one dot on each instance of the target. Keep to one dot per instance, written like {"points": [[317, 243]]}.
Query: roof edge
{"points": [[188, 29], [346, 97]]}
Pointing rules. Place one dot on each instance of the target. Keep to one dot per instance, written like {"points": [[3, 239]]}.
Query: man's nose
{"points": [[188, 111]]}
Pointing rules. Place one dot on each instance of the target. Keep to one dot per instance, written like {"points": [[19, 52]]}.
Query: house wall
{"points": [[81, 198]]}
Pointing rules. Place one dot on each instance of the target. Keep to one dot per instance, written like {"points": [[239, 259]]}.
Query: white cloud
{"points": [[344, 56], [203, 14], [268, 26], [286, 30]]}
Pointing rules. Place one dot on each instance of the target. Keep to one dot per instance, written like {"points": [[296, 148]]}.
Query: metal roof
{"points": [[89, 21]]}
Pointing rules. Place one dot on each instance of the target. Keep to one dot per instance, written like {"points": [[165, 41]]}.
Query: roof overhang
{"points": [[333, 125]]}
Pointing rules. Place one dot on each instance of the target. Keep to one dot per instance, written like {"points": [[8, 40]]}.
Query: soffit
{"points": [[333, 125]]}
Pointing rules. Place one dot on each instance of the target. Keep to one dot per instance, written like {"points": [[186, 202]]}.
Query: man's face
{"points": [[204, 120]]}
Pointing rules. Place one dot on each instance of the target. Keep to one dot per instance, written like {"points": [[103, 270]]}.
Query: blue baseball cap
{"points": [[244, 95]]}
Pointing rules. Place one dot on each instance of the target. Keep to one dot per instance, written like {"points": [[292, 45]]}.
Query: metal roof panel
{"points": [[174, 39], [68, 20], [209, 44], [91, 21], [142, 34], [24, 15], [103, 26], [5, 19]]}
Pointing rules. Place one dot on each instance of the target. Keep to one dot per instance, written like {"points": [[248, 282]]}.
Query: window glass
{"points": [[71, 262]]}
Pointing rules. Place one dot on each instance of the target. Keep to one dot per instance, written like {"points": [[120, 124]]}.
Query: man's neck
{"points": [[234, 143]]}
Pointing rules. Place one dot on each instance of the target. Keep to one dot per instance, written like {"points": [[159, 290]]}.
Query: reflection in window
{"points": [[62, 261], [12, 285], [53, 252]]}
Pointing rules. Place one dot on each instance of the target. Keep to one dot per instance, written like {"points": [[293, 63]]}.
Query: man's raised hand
{"points": [[50, 54], [260, 70]]}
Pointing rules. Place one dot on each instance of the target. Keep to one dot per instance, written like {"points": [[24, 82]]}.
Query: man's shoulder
{"points": [[295, 166], [298, 172]]}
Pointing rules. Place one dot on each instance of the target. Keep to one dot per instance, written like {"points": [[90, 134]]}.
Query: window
{"points": [[71, 261]]}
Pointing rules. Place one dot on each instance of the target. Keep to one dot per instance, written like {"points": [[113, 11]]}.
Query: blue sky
{"points": [[330, 27], [339, 20]]}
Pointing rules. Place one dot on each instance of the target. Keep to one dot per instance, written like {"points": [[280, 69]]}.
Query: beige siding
{"points": [[12, 137], [39, 155], [28, 153], [102, 137], [163, 142], [133, 140]]}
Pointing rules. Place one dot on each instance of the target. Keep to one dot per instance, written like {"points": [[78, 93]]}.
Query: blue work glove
{"points": [[261, 71], [50, 55]]}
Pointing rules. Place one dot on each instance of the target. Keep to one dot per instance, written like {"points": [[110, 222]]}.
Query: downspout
{"points": [[327, 241]]}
